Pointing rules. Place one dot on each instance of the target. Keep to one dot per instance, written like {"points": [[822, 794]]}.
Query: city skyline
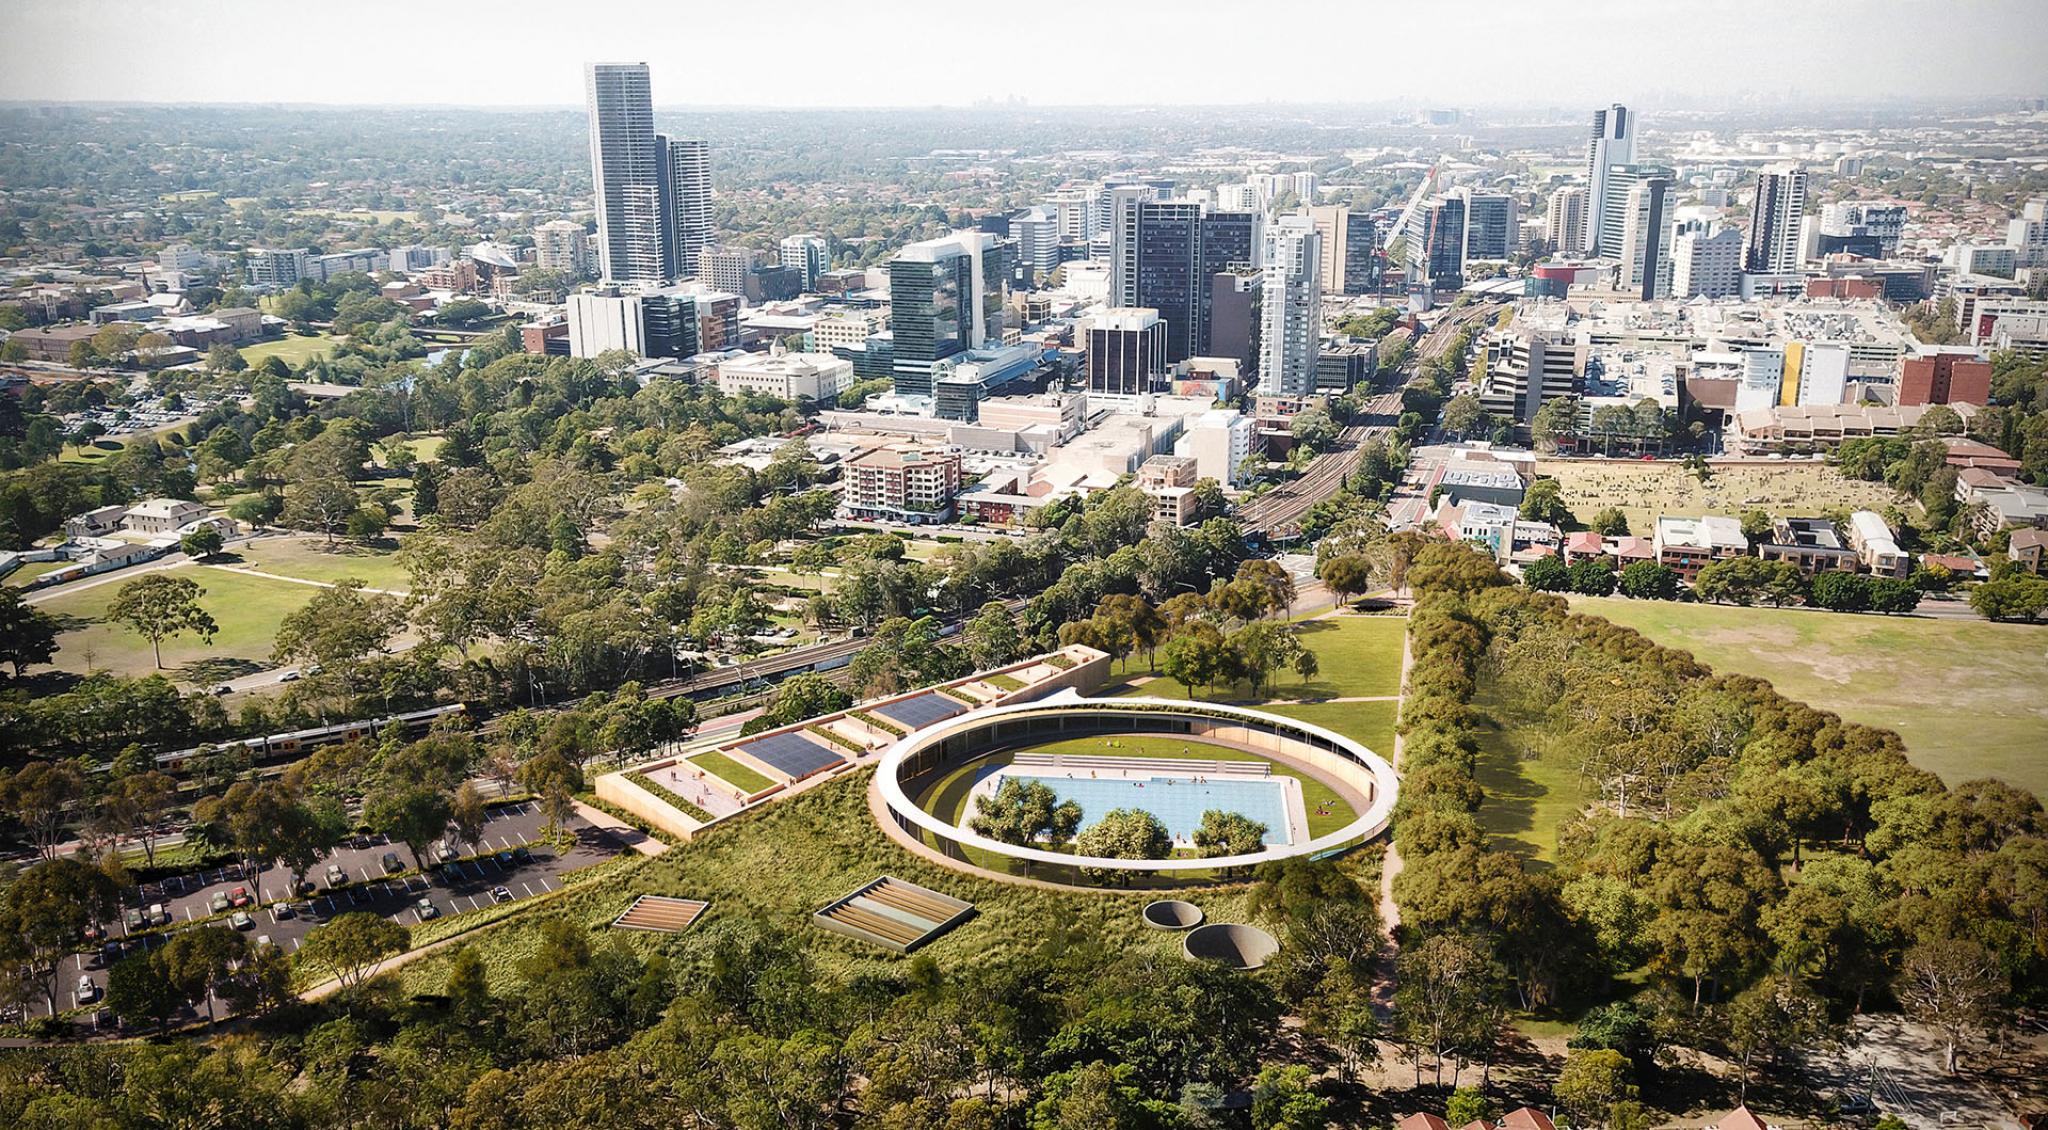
{"points": [[120, 51]]}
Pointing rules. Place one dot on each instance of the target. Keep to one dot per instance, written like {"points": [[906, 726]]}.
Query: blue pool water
{"points": [[1178, 805]]}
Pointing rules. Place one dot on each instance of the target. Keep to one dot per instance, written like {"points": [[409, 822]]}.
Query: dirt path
{"points": [[1390, 866]]}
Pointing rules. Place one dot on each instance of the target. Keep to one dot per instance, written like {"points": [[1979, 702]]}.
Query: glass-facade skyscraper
{"points": [[653, 191]]}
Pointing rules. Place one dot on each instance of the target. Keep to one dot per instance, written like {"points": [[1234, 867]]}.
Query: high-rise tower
{"points": [[1774, 221], [1613, 142], [653, 191]]}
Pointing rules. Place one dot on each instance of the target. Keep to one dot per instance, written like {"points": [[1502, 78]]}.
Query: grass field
{"points": [[29, 571], [374, 215], [731, 772], [1966, 695], [292, 348], [1358, 657], [376, 566], [1530, 791], [779, 863], [246, 609], [1369, 722], [1645, 490]]}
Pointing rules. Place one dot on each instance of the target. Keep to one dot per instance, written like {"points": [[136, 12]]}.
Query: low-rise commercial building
{"points": [[1688, 545], [787, 376], [1813, 544]]}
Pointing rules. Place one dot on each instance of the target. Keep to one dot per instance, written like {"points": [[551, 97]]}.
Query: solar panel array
{"points": [[793, 754], [923, 710]]}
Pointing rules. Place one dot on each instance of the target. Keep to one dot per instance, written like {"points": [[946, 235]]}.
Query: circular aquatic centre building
{"points": [[1007, 735]]}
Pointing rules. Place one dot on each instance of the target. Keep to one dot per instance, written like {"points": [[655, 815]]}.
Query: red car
{"points": [[240, 896]]}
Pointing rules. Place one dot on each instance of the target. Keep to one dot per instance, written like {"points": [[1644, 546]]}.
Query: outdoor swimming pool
{"points": [[1178, 802]]}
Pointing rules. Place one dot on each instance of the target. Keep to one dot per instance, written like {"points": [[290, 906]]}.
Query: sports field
{"points": [[293, 349], [375, 565], [1645, 490], [247, 610], [1966, 695]]}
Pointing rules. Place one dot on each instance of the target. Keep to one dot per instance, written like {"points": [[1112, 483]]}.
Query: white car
{"points": [[88, 990]]}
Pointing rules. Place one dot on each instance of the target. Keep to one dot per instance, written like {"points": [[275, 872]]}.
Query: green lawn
{"points": [[779, 863], [1966, 695], [1369, 722], [1530, 792], [731, 772], [1357, 657], [375, 565], [292, 348], [246, 609], [30, 570]]}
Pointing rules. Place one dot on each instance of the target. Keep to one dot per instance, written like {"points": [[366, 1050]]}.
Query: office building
{"points": [[1706, 260], [1993, 260], [685, 172], [902, 484], [1436, 244], [561, 245], [275, 266], [1813, 375], [2028, 235], [417, 257], [1941, 376], [1619, 180], [1775, 219], [1492, 229], [1350, 240], [1219, 441], [940, 294], [625, 174], [808, 254], [1166, 261], [1121, 206], [1856, 228], [1125, 351], [786, 376], [1526, 366], [1567, 222], [605, 319], [1073, 213], [1037, 233], [726, 267], [1343, 364], [1646, 239], [1291, 307], [1613, 142], [1233, 328]]}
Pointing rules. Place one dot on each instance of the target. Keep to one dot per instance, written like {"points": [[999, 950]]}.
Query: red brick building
{"points": [[1945, 378]]}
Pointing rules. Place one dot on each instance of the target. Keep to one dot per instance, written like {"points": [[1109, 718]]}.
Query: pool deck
{"points": [[1146, 769]]}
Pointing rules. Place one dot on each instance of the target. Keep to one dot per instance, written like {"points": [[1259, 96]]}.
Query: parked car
{"points": [[111, 953], [501, 894], [132, 919], [263, 940], [521, 855], [426, 909], [336, 877], [219, 903], [288, 677], [88, 990], [240, 896], [240, 920], [504, 859], [282, 911], [159, 914], [392, 864], [223, 689]]}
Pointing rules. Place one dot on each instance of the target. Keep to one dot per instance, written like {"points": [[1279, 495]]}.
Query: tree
{"points": [[350, 945], [2014, 598], [337, 629], [1125, 833], [322, 504], [224, 358], [1547, 574], [1281, 1100], [414, 813], [199, 961], [1592, 1082], [160, 605], [466, 813], [805, 694], [556, 780], [1649, 580], [1468, 1105], [1558, 417], [1893, 596], [140, 989], [28, 635], [44, 915], [992, 638], [1193, 656], [1954, 987], [1025, 813], [1307, 665], [1445, 1000], [1347, 575], [1611, 522], [1768, 1019], [1228, 833], [141, 802], [39, 794], [1592, 576], [1757, 526], [202, 543], [1544, 502]]}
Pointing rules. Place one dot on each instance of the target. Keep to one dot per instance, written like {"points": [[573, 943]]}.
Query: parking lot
{"points": [[506, 863]]}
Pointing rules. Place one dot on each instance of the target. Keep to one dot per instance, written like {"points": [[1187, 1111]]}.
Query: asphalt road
{"points": [[467, 886]]}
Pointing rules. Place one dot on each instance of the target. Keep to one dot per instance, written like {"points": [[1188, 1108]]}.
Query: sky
{"points": [[800, 53]]}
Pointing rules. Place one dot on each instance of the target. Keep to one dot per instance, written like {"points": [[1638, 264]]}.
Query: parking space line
{"points": [[527, 889], [544, 884]]}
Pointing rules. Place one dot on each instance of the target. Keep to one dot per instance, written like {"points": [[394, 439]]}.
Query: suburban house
{"points": [[1688, 545], [2027, 548], [1525, 1118], [163, 515], [94, 523]]}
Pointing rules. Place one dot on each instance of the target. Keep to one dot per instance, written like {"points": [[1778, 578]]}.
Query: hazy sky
{"points": [[953, 52]]}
